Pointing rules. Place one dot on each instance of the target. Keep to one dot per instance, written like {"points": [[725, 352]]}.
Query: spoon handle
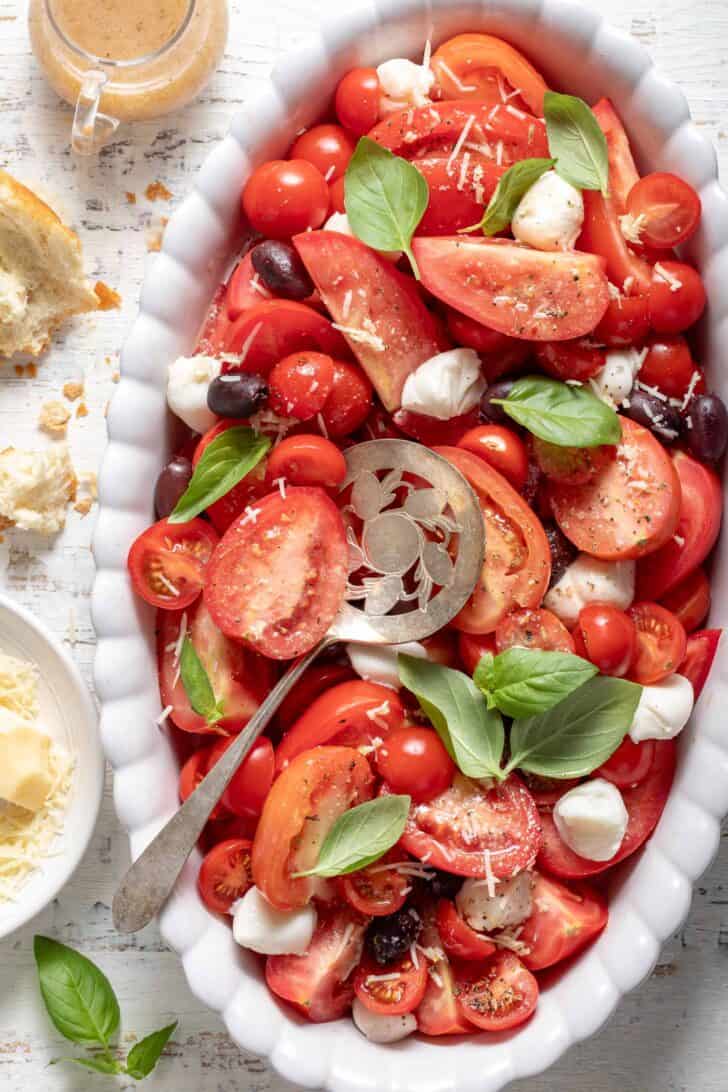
{"points": [[149, 881]]}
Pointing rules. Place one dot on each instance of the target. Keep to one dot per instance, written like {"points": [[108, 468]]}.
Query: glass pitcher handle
{"points": [[91, 130]]}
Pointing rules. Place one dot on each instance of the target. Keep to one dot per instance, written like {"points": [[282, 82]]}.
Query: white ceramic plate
{"points": [[578, 52]]}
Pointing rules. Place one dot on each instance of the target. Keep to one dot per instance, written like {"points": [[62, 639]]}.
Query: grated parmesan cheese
{"points": [[455, 79], [364, 337], [459, 143], [665, 275]]}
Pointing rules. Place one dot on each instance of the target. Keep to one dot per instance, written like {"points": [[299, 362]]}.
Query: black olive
{"points": [[236, 395], [443, 885], [389, 938], [563, 552], [705, 427], [171, 484], [491, 414], [281, 270], [654, 413]]}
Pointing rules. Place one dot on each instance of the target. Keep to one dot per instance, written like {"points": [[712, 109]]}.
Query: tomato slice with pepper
{"points": [[458, 939], [699, 655], [660, 646], [533, 629], [517, 564], [487, 69], [524, 293], [564, 920], [393, 990], [274, 329], [459, 190], [379, 889], [498, 995], [225, 874]]}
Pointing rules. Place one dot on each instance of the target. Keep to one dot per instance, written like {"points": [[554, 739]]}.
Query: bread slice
{"points": [[42, 282]]}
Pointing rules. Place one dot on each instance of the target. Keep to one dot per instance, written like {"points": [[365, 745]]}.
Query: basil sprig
{"points": [[522, 682], [224, 462], [82, 1005], [561, 414], [198, 687], [512, 186], [576, 141], [385, 198], [360, 836]]}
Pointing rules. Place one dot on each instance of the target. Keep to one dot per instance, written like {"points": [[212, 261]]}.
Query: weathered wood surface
{"points": [[670, 1035]]}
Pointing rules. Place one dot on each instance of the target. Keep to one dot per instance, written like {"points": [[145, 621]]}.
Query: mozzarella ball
{"points": [[591, 580], [549, 215], [510, 905], [378, 664], [445, 386], [339, 221], [405, 82], [664, 709], [592, 819], [187, 382], [259, 926], [613, 383], [380, 1028]]}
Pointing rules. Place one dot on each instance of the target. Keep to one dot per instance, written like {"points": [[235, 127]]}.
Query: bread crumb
{"points": [[109, 300], [29, 370], [157, 191], [130, 198], [54, 418], [155, 236], [83, 506], [116, 376], [72, 391], [82, 410], [88, 487]]}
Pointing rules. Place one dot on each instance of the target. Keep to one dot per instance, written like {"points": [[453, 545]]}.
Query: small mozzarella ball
{"points": [[187, 382], [613, 383], [379, 1028], [339, 221], [259, 926], [592, 819], [549, 215], [664, 709], [379, 664], [445, 386], [510, 905], [405, 82], [591, 580]]}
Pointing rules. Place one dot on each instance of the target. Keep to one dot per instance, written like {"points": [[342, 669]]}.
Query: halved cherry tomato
{"points": [[228, 826], [438, 1013], [579, 359], [644, 803], [630, 507], [192, 773], [280, 591], [307, 460], [521, 292], [300, 384], [626, 321], [225, 874], [379, 889], [533, 629], [498, 995], [700, 653], [629, 764], [353, 713], [414, 761], [314, 681], [458, 190], [606, 637], [690, 600], [623, 173], [547, 790], [669, 366], [676, 297], [454, 830], [661, 643], [395, 995], [349, 402], [282, 197], [167, 562], [487, 69], [328, 147], [501, 448], [305, 801], [517, 563], [602, 235], [245, 289], [472, 647], [571, 465], [276, 328], [701, 507], [318, 983], [458, 939], [564, 920], [251, 782], [249, 489], [669, 209], [357, 100], [393, 332]]}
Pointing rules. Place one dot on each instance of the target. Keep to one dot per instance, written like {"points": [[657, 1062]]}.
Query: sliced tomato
{"points": [[629, 764], [245, 289], [386, 995], [668, 208], [660, 646], [700, 653], [314, 681], [225, 874], [533, 629], [352, 714], [602, 235], [168, 561], [393, 330], [630, 507], [379, 889], [524, 293], [318, 984], [438, 1012], [517, 563], [564, 920], [645, 803], [459, 190], [487, 69], [623, 173], [305, 801], [274, 329], [458, 939], [689, 601], [277, 581], [498, 995], [454, 830], [698, 524]]}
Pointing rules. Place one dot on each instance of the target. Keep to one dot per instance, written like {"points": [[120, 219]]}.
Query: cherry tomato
{"points": [[349, 402], [482, 67], [533, 629], [578, 360], [357, 100], [626, 321], [300, 384], [501, 448], [276, 328], [606, 637], [630, 763], [225, 874], [699, 656], [336, 196], [282, 197], [167, 562], [564, 920], [676, 300], [192, 773], [251, 782], [438, 1013], [458, 939], [472, 647], [379, 889], [328, 147], [690, 600], [314, 681], [498, 995], [395, 995], [571, 465], [249, 489], [669, 209], [307, 460], [670, 367], [661, 643], [468, 332], [414, 761]]}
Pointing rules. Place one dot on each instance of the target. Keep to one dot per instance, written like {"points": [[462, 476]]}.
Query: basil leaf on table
{"points": [[523, 682], [385, 198], [78, 996], [224, 462], [361, 835], [145, 1054], [561, 414], [512, 186], [580, 733], [471, 731], [100, 1063], [197, 684], [576, 141]]}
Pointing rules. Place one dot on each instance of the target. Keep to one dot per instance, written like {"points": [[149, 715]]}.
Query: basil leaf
{"points": [[77, 995], [197, 684], [578, 734], [225, 461], [523, 681], [145, 1054], [361, 835], [576, 141], [512, 186], [472, 733], [100, 1064], [561, 414], [385, 198]]}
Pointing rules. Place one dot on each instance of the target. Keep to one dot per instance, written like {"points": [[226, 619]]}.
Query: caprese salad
{"points": [[460, 256]]}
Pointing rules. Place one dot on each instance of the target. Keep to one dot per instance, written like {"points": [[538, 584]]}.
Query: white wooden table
{"points": [[669, 1036]]}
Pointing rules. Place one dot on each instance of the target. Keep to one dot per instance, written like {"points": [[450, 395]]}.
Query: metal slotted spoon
{"points": [[421, 530]]}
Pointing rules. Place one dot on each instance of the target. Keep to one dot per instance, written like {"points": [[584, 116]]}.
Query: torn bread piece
{"points": [[36, 488]]}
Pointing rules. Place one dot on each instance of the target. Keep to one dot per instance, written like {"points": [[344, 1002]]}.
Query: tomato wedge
{"points": [[602, 235], [524, 293], [225, 874], [458, 939], [487, 69], [517, 565], [459, 190], [388, 327], [645, 803], [630, 507], [382, 993], [623, 173], [564, 920], [273, 330], [277, 581], [661, 643], [302, 806], [699, 656], [533, 629], [245, 289], [498, 995], [167, 562], [379, 889], [438, 1013], [501, 135]]}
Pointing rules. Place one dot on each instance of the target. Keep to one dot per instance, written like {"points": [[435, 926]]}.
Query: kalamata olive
{"points": [[494, 414], [236, 395], [389, 938], [281, 270], [654, 413], [705, 427], [171, 484], [563, 552]]}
